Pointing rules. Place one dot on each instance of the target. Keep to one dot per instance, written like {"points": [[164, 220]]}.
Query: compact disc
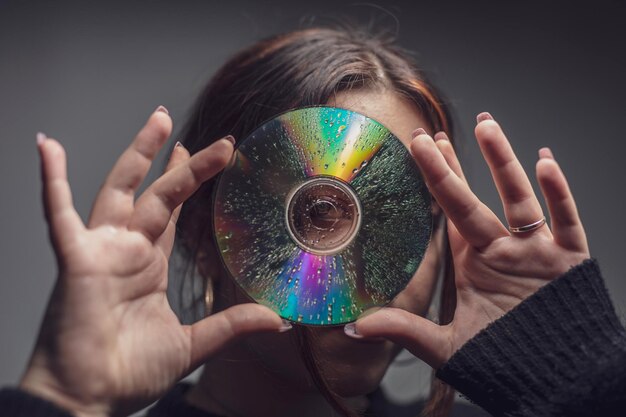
{"points": [[321, 215]]}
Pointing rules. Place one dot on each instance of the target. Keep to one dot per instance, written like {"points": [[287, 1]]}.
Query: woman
{"points": [[110, 343]]}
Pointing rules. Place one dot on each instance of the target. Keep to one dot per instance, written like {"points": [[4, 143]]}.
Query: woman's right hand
{"points": [[109, 342]]}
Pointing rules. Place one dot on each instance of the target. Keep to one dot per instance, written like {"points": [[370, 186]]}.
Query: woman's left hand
{"points": [[495, 268]]}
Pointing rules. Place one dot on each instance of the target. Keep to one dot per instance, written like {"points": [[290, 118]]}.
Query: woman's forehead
{"points": [[395, 112]]}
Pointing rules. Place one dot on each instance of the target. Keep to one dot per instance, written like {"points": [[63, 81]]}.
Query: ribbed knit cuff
{"points": [[18, 403], [520, 363]]}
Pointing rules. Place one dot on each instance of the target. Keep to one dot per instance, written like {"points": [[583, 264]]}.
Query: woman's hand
{"points": [[495, 268], [109, 342]]}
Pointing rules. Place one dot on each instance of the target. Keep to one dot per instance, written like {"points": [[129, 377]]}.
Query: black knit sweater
{"points": [[561, 352]]}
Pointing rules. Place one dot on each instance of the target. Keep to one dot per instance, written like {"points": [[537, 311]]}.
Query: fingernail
{"points": [[285, 326], [417, 132], [350, 330], [546, 153], [178, 144], [441, 136], [41, 138], [162, 109], [230, 138], [483, 116]]}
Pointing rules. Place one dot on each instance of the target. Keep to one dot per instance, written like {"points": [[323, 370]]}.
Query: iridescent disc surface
{"points": [[322, 215]]}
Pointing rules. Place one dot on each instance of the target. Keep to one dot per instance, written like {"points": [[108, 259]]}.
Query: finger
{"points": [[447, 150], [114, 202], [566, 226], [520, 203], [166, 241], [63, 221], [478, 225], [154, 208], [214, 332], [456, 241], [423, 338]]}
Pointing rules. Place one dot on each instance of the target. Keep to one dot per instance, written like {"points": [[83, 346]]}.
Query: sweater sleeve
{"points": [[561, 352], [18, 403]]}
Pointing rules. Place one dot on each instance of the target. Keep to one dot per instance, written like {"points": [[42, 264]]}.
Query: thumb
{"points": [[212, 333], [420, 336]]}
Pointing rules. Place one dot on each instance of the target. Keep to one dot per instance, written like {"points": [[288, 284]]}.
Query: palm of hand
{"points": [[492, 281], [115, 286]]}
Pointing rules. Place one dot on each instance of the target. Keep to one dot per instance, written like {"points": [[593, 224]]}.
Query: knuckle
{"points": [[438, 179], [464, 209]]}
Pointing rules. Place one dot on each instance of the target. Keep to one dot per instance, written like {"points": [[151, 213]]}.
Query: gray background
{"points": [[89, 75]]}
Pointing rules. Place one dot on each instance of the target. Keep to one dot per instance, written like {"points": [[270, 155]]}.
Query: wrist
{"points": [[40, 382]]}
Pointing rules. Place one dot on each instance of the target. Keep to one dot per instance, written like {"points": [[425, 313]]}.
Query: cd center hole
{"points": [[323, 215]]}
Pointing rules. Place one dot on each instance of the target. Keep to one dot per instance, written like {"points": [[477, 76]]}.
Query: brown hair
{"points": [[304, 68]]}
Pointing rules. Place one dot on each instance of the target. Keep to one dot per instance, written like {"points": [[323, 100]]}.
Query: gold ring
{"points": [[529, 227]]}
